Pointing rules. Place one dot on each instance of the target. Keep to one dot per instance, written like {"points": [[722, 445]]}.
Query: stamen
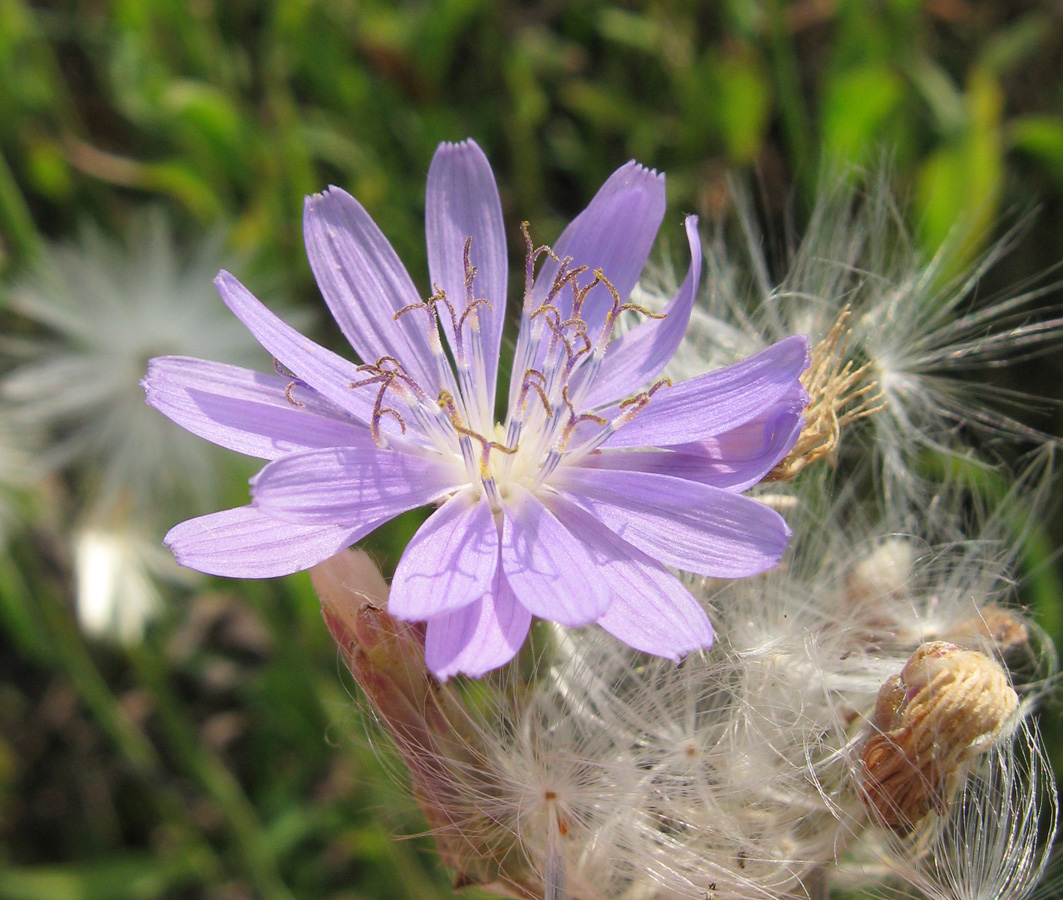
{"points": [[833, 387], [565, 277], [430, 304], [641, 310], [637, 402], [447, 404], [534, 380], [545, 310], [531, 257], [580, 329], [388, 373], [469, 269], [552, 316], [379, 411], [283, 371], [630, 408], [558, 449], [385, 378], [473, 304], [575, 419], [288, 394]]}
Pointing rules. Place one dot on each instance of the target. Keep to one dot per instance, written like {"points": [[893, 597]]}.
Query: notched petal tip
{"points": [[638, 170], [152, 378], [459, 146], [319, 203]]}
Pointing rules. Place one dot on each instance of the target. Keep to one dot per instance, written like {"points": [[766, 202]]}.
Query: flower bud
{"points": [[946, 706], [449, 769]]}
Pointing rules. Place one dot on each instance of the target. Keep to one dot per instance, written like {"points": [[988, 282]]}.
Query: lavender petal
{"points": [[365, 283], [635, 358], [462, 202], [247, 411], [246, 543], [734, 461], [356, 487], [451, 561], [547, 566], [650, 609], [719, 401], [328, 374], [479, 637], [615, 233], [694, 527]]}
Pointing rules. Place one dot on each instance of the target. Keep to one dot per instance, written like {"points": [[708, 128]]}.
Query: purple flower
{"points": [[597, 478]]}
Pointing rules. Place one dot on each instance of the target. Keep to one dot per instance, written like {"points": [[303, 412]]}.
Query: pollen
{"points": [[947, 706], [839, 393]]}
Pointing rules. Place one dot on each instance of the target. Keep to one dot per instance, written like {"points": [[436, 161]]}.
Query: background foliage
{"points": [[221, 758]]}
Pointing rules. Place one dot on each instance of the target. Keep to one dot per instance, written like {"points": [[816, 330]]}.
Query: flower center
{"points": [[566, 326]]}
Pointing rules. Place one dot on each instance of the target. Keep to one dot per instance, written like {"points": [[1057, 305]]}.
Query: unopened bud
{"points": [[432, 730], [946, 706]]}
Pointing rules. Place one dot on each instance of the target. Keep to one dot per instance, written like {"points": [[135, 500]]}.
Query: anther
{"points": [[295, 382], [430, 305], [447, 404], [575, 419], [472, 306], [579, 296], [282, 370], [470, 269], [638, 401], [378, 414], [288, 394], [531, 257], [641, 310], [579, 327]]}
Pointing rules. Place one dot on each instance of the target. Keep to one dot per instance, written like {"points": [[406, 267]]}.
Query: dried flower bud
{"points": [[946, 706], [433, 733], [1004, 629], [885, 572]]}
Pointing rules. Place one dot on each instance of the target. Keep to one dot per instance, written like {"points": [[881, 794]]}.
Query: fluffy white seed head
{"points": [[927, 336], [100, 309], [589, 770]]}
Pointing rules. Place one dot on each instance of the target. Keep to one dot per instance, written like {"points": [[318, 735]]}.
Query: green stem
{"points": [[69, 654], [795, 119], [215, 778], [16, 221]]}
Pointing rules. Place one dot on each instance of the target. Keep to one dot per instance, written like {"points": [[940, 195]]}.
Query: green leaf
{"points": [[1042, 138], [856, 106], [743, 106], [206, 110], [129, 877], [959, 186], [180, 181]]}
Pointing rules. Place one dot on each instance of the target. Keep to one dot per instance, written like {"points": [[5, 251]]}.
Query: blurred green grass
{"points": [[223, 758]]}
